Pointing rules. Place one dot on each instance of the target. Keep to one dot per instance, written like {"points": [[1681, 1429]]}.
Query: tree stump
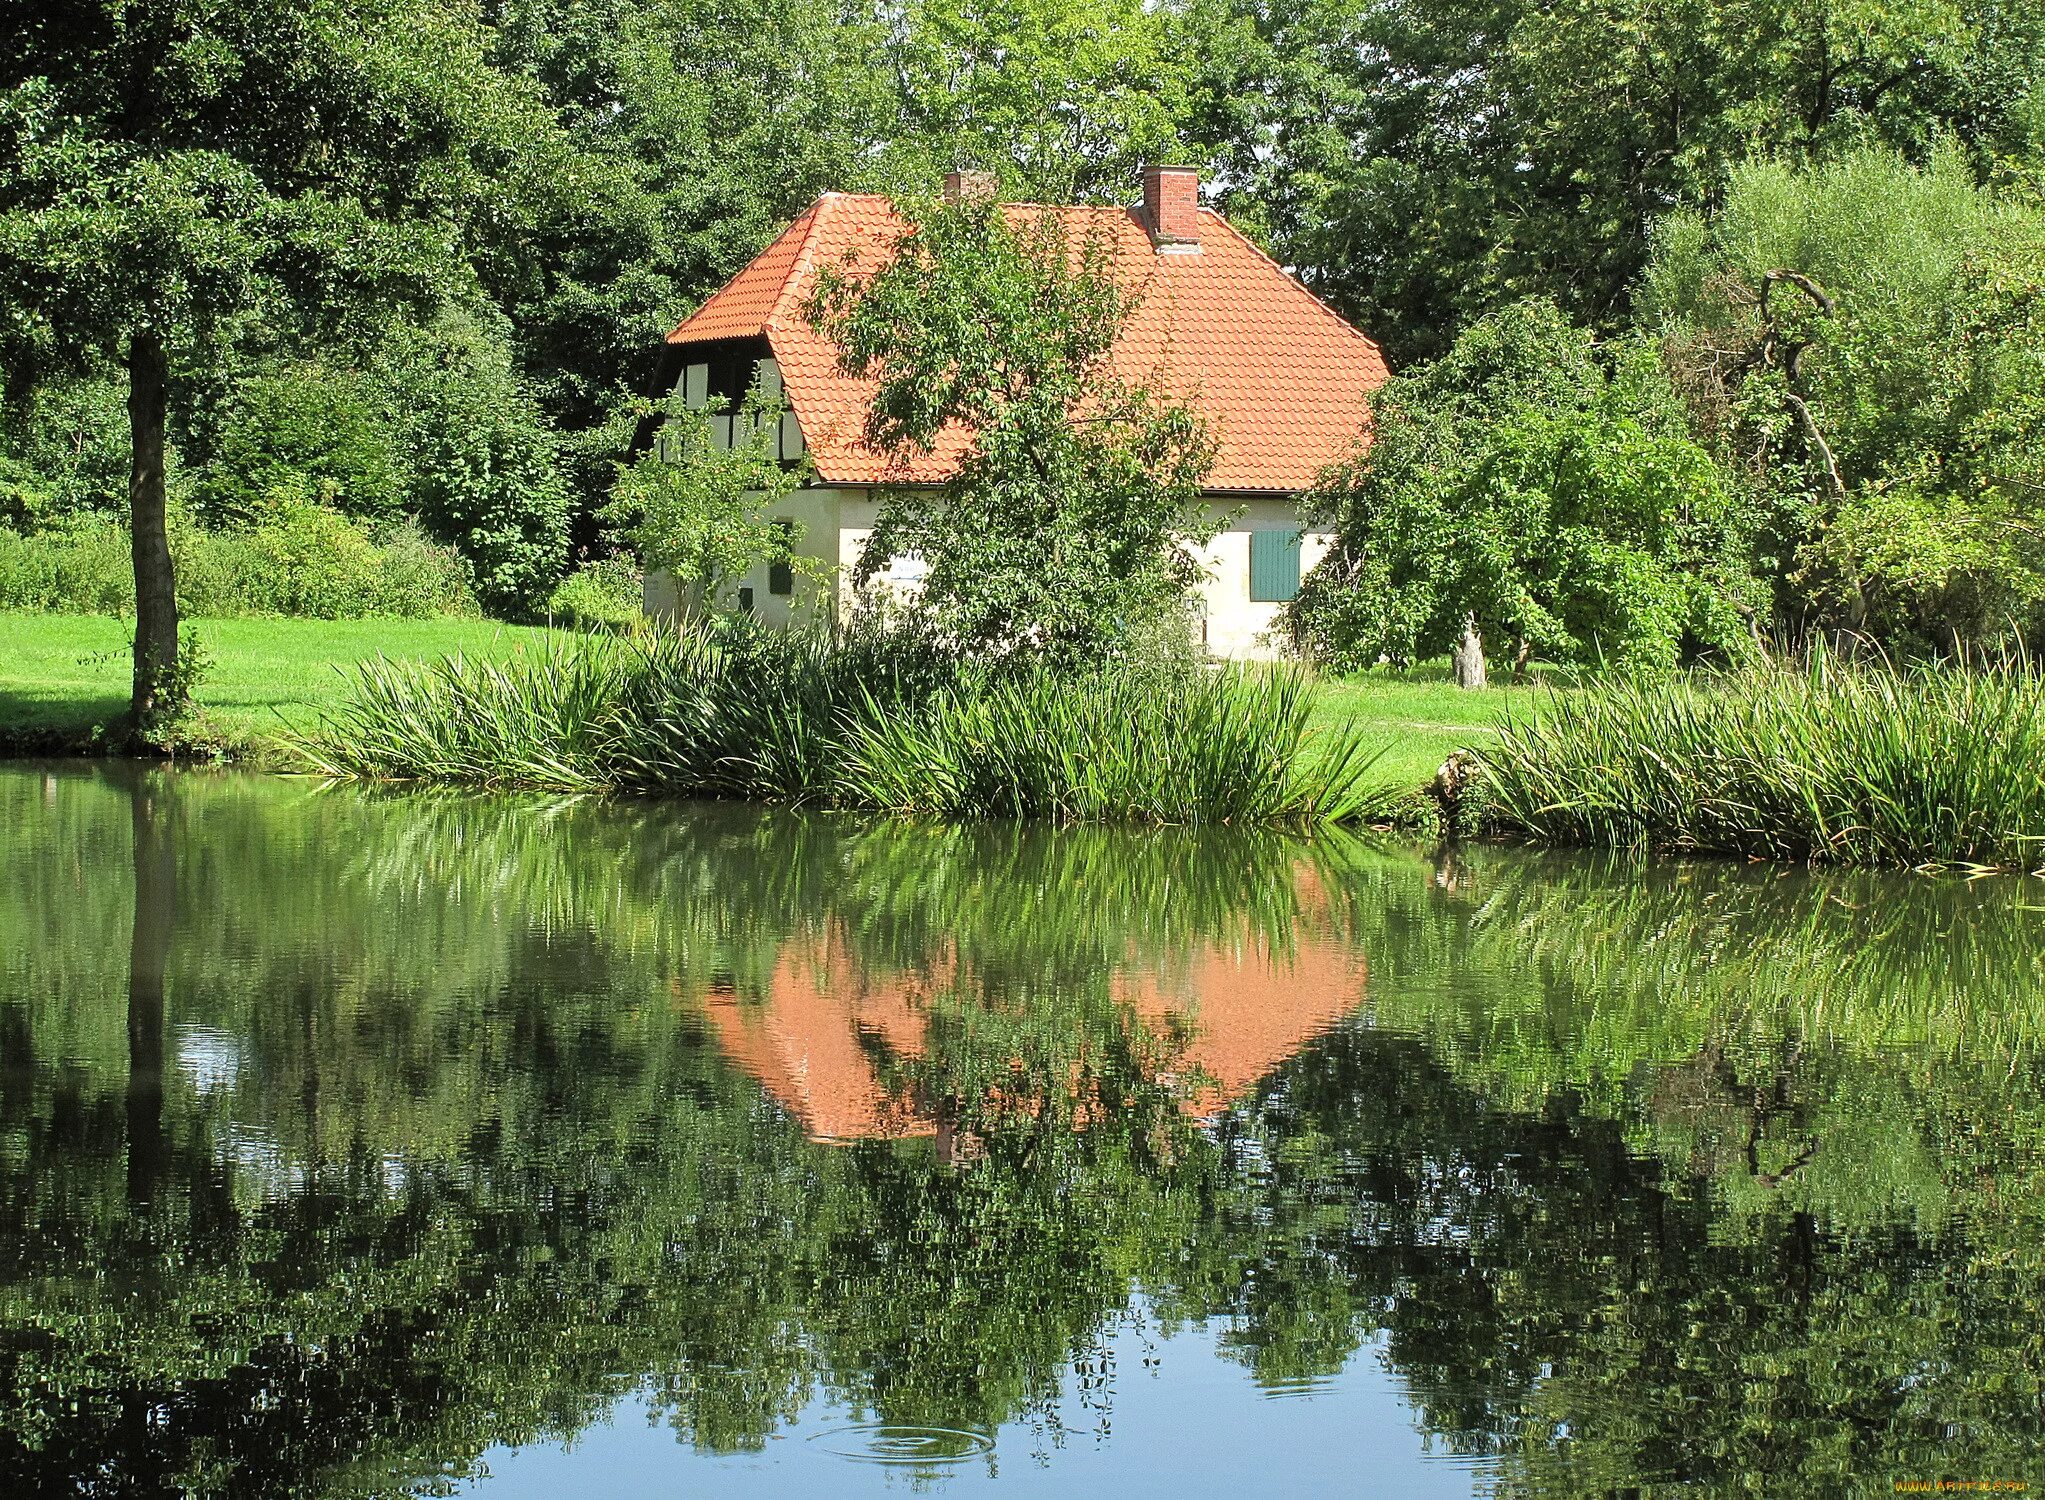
{"points": [[1469, 655]]}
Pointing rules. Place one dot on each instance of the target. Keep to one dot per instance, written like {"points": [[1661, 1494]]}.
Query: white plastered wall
{"points": [[834, 523], [818, 532], [1238, 628]]}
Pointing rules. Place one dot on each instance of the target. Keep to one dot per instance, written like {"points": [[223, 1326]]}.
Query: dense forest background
{"points": [[583, 174]]}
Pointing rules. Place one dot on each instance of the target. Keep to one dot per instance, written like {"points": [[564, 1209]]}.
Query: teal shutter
{"points": [[1274, 566]]}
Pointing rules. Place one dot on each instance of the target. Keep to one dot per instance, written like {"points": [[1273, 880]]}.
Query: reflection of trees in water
{"points": [[477, 1151]]}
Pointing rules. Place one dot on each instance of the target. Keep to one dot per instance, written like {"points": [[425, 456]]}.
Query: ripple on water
{"points": [[898, 1443], [1295, 1388]]}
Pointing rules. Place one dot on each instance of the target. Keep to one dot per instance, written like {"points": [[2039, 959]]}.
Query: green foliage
{"points": [[64, 451], [1830, 761], [1894, 413], [870, 721], [1064, 99], [1066, 525], [301, 560], [1427, 164], [604, 593], [82, 566], [488, 478], [1541, 485], [704, 513], [310, 434]]}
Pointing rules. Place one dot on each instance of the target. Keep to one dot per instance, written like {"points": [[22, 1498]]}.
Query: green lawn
{"points": [[62, 674], [1419, 716]]}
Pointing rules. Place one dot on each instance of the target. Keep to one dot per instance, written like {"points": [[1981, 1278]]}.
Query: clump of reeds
{"points": [[1825, 759], [856, 720], [546, 718], [1227, 747]]}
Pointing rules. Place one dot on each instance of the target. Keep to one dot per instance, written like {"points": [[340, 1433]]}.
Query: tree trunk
{"points": [[1469, 655], [156, 603], [148, 957]]}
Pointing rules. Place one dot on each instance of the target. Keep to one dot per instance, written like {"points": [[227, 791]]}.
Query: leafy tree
{"points": [[1063, 99], [1424, 164], [61, 454], [1525, 487], [1065, 525], [486, 476], [703, 512], [182, 177], [1865, 340]]}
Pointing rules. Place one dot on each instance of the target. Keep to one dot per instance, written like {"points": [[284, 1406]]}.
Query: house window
{"points": [[1274, 566], [781, 571]]}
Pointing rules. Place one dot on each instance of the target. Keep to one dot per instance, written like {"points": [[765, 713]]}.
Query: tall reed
{"points": [[1222, 748], [1824, 760], [547, 718], [859, 720]]}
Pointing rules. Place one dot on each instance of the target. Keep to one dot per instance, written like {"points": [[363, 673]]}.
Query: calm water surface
{"points": [[387, 1144]]}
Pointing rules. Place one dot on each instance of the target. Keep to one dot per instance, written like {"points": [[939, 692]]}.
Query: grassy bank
{"points": [[64, 676], [1420, 716], [1821, 761]]}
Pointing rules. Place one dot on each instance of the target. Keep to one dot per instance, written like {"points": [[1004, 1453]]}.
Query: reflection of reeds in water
{"points": [[1649, 957]]}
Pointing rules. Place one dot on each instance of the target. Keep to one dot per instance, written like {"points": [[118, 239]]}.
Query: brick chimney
{"points": [[961, 187], [1171, 207]]}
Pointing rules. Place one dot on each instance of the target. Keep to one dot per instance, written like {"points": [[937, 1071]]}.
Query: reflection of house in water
{"points": [[817, 1039]]}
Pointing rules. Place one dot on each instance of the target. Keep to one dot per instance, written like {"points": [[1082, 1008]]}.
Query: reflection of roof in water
{"points": [[813, 1041], [808, 1042]]}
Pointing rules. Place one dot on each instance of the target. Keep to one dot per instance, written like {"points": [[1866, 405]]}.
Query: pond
{"points": [[359, 1143]]}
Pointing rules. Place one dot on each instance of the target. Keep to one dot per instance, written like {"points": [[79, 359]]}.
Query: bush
{"points": [[304, 434], [1830, 761], [305, 561], [605, 594], [487, 467], [1866, 339], [84, 566]]}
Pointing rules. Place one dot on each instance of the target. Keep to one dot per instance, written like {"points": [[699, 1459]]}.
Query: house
{"points": [[1281, 379]]}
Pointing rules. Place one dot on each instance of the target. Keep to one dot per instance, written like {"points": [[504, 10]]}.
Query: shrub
{"points": [[602, 594], [83, 566], [1827, 761], [304, 433], [305, 560], [487, 467]]}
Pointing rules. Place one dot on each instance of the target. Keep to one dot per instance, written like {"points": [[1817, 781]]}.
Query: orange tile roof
{"points": [[1280, 377]]}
